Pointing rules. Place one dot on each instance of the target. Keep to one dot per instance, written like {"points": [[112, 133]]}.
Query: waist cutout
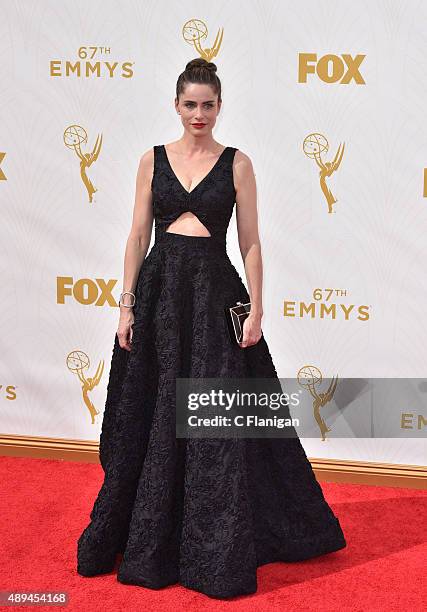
{"points": [[203, 243]]}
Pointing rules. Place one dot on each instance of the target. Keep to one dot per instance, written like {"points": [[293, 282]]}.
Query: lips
{"points": [[199, 124]]}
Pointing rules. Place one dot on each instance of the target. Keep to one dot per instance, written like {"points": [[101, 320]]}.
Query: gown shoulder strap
{"points": [[156, 155], [229, 157], [230, 153], [157, 160], [156, 164]]}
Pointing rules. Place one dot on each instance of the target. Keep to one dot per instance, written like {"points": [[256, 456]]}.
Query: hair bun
{"points": [[200, 62]]}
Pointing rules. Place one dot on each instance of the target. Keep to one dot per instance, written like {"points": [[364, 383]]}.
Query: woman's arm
{"points": [[249, 243], [137, 244]]}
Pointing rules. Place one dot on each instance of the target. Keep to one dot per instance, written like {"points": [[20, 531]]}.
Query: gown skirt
{"points": [[204, 513]]}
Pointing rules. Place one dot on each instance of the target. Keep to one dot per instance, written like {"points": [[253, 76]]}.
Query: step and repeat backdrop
{"points": [[328, 100]]}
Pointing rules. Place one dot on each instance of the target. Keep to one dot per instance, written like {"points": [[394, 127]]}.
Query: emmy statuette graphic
{"points": [[308, 377], [77, 361], [74, 137], [195, 31], [314, 146]]}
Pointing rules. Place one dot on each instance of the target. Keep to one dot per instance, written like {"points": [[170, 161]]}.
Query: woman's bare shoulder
{"points": [[146, 167], [242, 164], [146, 161], [148, 156]]}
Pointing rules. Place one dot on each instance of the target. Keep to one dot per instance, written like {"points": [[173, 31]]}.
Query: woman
{"points": [[202, 512]]}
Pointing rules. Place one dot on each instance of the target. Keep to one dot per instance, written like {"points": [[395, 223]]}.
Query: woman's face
{"points": [[198, 104]]}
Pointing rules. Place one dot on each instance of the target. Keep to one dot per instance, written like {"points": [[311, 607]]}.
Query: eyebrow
{"points": [[203, 102]]}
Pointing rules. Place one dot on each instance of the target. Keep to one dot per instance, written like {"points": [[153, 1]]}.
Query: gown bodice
{"points": [[212, 200]]}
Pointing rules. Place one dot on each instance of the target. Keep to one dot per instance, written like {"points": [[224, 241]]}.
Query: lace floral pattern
{"points": [[202, 512]]}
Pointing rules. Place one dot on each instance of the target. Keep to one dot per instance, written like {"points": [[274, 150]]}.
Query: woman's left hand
{"points": [[251, 331]]}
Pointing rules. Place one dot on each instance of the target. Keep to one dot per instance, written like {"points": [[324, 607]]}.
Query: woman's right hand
{"points": [[125, 331]]}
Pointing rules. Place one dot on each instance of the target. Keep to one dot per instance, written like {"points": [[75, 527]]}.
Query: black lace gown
{"points": [[204, 513]]}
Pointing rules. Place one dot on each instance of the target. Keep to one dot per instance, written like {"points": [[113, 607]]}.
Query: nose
{"points": [[199, 115]]}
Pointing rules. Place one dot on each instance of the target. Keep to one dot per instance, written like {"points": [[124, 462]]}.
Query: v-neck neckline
{"points": [[203, 179]]}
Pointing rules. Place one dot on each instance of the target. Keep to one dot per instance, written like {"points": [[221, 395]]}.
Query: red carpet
{"points": [[45, 505]]}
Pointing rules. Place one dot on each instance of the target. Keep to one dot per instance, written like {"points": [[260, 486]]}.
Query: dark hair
{"points": [[199, 70]]}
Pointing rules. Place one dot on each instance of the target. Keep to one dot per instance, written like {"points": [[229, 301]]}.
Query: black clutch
{"points": [[235, 317]]}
